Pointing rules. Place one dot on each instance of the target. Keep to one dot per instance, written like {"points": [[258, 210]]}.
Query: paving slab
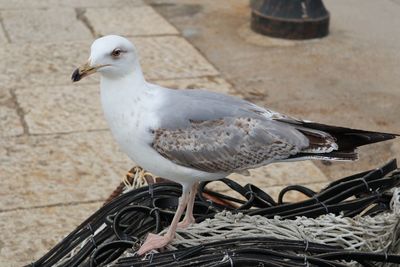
{"points": [[30, 64], [170, 57], [48, 64], [23, 4], [39, 25], [47, 170], [26, 235], [10, 123], [131, 21], [62, 109]]}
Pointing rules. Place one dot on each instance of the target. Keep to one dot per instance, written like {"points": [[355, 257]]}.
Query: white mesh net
{"points": [[369, 234]]}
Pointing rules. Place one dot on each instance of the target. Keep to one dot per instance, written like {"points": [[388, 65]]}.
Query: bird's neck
{"points": [[132, 81], [125, 95], [123, 99]]}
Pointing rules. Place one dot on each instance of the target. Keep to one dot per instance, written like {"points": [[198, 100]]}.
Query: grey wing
{"points": [[219, 133], [183, 106], [229, 144]]}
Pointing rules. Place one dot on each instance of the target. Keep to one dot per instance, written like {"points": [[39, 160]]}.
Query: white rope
{"points": [[139, 180], [370, 234]]}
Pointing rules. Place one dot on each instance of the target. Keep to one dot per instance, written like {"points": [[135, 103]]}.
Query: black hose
{"points": [[128, 218]]}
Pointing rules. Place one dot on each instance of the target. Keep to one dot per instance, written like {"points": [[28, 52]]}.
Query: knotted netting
{"points": [[352, 222], [369, 233]]}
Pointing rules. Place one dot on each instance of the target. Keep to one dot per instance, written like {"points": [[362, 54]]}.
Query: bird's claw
{"points": [[153, 242]]}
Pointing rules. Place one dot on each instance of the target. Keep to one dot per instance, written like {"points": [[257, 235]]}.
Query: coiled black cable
{"points": [[120, 225]]}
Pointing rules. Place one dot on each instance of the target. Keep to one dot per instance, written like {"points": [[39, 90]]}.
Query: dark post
{"points": [[290, 19]]}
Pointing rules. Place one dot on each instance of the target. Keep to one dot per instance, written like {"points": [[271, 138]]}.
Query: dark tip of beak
{"points": [[76, 76]]}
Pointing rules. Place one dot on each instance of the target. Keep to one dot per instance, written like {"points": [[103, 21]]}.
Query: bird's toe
{"points": [[153, 242]]}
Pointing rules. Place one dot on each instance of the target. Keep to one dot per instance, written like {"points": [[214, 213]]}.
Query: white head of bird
{"points": [[112, 56]]}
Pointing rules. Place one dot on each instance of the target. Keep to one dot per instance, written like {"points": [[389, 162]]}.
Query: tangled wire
{"points": [[354, 220]]}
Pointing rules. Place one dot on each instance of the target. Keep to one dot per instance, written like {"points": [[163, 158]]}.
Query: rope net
{"points": [[354, 221], [369, 234]]}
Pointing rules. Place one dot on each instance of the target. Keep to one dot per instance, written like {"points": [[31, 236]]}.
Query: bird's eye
{"points": [[116, 52]]}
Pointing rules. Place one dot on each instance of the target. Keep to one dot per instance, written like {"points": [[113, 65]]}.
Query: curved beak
{"points": [[83, 71]]}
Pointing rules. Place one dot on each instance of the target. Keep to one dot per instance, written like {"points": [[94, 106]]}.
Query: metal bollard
{"points": [[290, 19]]}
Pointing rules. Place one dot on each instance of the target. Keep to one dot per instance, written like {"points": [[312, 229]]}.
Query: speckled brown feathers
{"points": [[223, 145]]}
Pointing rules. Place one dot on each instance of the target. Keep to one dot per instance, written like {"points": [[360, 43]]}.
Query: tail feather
{"points": [[346, 139], [349, 139]]}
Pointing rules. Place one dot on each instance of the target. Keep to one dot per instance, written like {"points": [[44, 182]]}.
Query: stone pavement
{"points": [[58, 161]]}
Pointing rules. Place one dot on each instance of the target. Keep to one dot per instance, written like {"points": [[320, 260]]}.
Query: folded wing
{"points": [[218, 133], [229, 144]]}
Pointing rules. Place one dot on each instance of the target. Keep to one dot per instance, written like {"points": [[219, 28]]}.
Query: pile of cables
{"points": [[111, 235]]}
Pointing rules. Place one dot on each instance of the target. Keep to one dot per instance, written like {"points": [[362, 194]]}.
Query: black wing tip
{"points": [[348, 138], [373, 137]]}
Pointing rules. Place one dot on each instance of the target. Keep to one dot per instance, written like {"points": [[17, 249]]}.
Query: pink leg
{"points": [[156, 241], [189, 218]]}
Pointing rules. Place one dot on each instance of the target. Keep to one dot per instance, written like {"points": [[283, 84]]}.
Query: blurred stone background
{"points": [[58, 162]]}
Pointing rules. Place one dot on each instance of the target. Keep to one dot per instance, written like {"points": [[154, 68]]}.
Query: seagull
{"points": [[189, 136]]}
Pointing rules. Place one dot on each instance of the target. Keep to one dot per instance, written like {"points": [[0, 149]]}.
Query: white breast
{"points": [[131, 115]]}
